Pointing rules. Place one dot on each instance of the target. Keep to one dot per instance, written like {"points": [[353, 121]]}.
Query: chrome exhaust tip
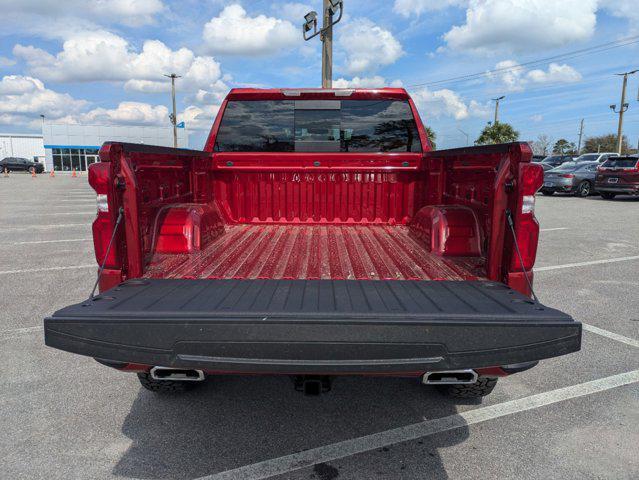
{"points": [[176, 374], [450, 377]]}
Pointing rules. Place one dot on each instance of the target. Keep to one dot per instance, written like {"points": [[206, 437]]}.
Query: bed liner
{"points": [[350, 252]]}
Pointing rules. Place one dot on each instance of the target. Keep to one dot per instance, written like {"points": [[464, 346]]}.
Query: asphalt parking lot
{"points": [[65, 416]]}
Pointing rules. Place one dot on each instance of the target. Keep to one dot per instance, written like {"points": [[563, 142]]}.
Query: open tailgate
{"points": [[313, 326]]}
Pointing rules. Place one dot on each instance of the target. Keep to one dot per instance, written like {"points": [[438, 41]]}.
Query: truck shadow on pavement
{"points": [[233, 421]]}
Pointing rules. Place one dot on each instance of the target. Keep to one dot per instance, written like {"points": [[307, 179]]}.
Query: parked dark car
{"points": [[15, 164], [556, 160], [618, 176], [577, 178]]}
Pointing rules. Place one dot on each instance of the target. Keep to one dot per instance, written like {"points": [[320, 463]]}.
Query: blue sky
{"points": [[102, 61]]}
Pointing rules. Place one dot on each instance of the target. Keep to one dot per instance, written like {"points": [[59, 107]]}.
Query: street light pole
{"points": [[173, 115], [496, 100], [622, 108], [467, 137], [331, 7], [581, 132]]}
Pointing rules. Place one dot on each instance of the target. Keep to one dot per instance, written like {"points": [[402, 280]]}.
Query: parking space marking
{"points": [[5, 334], [613, 336], [87, 212], [347, 448], [53, 225], [47, 269], [34, 242], [553, 229], [585, 264]]}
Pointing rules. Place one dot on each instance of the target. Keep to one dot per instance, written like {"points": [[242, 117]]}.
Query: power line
{"points": [[543, 61]]}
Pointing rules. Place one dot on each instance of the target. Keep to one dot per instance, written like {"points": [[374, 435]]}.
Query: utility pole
{"points": [[496, 100], [330, 9], [467, 137], [622, 108], [173, 115], [581, 132]]}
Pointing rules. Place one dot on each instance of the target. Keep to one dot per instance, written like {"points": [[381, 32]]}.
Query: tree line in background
{"points": [[501, 132]]}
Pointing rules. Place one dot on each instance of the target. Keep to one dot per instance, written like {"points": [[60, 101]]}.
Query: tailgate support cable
{"points": [[511, 224], [106, 255]]}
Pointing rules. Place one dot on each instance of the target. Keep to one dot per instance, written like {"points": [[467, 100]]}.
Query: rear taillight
{"points": [[567, 175], [531, 178], [99, 175]]}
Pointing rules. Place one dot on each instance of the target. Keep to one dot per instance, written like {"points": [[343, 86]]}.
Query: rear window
{"points": [[620, 163], [318, 126]]}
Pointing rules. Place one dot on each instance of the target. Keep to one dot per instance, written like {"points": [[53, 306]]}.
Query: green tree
{"points": [[432, 136], [605, 143], [564, 147], [497, 133]]}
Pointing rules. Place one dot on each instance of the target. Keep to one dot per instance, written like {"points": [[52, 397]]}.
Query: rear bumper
{"points": [[289, 350], [632, 189], [430, 326]]}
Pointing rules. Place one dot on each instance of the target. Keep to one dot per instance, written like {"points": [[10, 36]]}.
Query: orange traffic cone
{"points": [[74, 174], [33, 174], [6, 172], [51, 173]]}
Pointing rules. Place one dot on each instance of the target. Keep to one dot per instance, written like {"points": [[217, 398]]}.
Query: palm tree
{"points": [[497, 133]]}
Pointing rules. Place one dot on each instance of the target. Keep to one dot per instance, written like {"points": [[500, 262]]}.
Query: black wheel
{"points": [[164, 386], [583, 189], [548, 193], [482, 387], [608, 195]]}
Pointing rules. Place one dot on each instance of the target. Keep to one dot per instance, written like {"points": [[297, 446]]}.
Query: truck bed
{"points": [[313, 326], [353, 252]]}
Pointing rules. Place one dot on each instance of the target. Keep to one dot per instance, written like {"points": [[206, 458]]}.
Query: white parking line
{"points": [[614, 336], [553, 229], [88, 212], [347, 448], [585, 264], [33, 242], [47, 269], [4, 334], [6, 228]]}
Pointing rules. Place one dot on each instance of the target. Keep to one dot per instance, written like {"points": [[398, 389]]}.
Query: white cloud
{"points": [[621, 8], [104, 56], [375, 81], [127, 12], [555, 74], [128, 113], [24, 98], [293, 11], [6, 62], [522, 25], [536, 118], [199, 118], [446, 103], [514, 78], [368, 46], [235, 33], [407, 8]]}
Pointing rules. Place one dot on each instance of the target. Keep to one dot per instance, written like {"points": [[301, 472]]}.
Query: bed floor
{"points": [[375, 252]]}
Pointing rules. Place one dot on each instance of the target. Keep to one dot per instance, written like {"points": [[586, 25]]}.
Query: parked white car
{"points": [[596, 157]]}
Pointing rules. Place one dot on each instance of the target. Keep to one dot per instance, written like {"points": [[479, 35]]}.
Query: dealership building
{"points": [[63, 148], [69, 147]]}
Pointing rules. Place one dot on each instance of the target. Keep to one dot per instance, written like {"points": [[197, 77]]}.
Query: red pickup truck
{"points": [[316, 235]]}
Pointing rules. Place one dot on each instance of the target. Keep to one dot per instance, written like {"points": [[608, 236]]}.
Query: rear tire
{"points": [[548, 193], [608, 195], [164, 386], [482, 387], [583, 189]]}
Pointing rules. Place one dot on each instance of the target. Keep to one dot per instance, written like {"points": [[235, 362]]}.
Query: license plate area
{"points": [[548, 184], [613, 180]]}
